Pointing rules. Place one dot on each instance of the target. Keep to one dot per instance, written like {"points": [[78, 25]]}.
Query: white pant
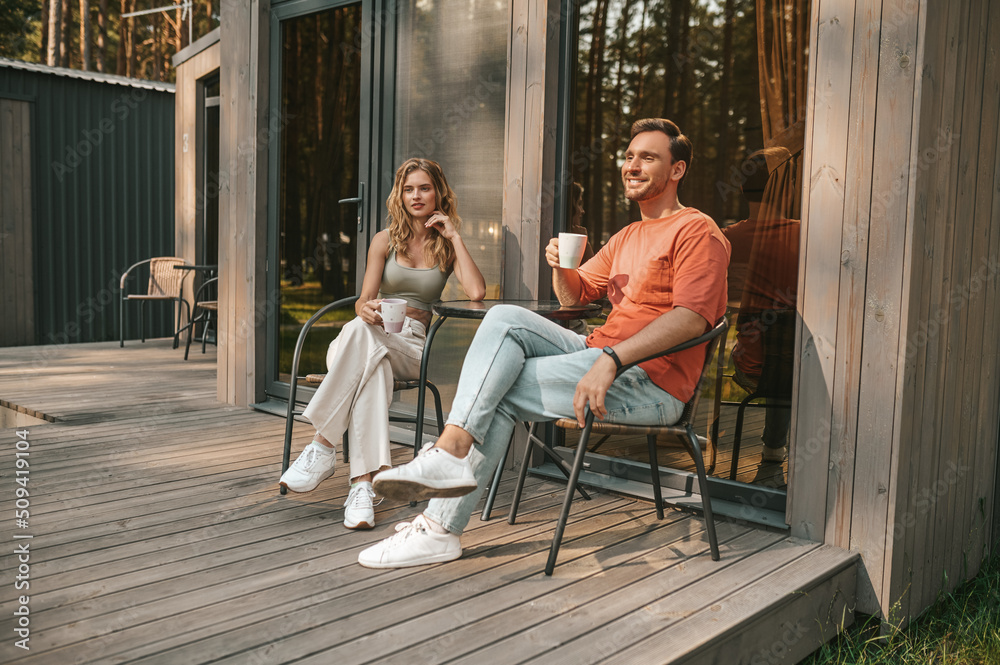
{"points": [[356, 393]]}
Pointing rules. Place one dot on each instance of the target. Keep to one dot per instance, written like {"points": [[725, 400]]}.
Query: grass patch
{"points": [[961, 628]]}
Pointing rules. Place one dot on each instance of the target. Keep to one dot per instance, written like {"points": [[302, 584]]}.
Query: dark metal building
{"points": [[86, 190]]}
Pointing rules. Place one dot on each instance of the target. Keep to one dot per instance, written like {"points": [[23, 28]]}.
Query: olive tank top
{"points": [[419, 287]]}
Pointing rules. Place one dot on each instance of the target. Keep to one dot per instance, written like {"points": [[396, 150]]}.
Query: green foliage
{"points": [[20, 25], [962, 628], [155, 37]]}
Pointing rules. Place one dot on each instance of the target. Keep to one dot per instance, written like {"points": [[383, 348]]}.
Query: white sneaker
{"points": [[414, 544], [435, 473], [313, 465], [359, 511]]}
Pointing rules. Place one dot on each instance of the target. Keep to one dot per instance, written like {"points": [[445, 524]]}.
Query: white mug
{"points": [[393, 313], [571, 248]]}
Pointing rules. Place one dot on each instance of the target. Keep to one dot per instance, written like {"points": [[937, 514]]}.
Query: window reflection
{"points": [[451, 90], [732, 75], [320, 124]]}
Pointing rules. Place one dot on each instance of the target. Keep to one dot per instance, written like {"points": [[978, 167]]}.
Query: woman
{"points": [[412, 260]]}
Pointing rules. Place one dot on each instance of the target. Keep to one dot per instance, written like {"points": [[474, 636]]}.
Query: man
{"points": [[666, 279]]}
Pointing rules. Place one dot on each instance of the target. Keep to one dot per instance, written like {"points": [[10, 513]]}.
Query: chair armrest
{"points": [[300, 342], [202, 288], [121, 284], [720, 328]]}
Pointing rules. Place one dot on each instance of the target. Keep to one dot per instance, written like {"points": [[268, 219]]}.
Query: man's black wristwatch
{"points": [[614, 356]]}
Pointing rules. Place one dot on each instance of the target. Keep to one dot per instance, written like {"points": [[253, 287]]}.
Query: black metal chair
{"points": [[683, 429], [206, 307], [165, 285], [318, 378], [777, 331]]}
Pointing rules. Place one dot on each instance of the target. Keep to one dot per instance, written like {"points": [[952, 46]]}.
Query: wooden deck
{"points": [[158, 536]]}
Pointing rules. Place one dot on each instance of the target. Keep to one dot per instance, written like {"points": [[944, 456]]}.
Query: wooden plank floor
{"points": [[158, 536]]}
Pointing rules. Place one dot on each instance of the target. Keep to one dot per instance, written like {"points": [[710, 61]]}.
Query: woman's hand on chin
{"points": [[442, 224]]}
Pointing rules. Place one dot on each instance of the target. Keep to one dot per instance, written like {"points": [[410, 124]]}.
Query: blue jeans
{"points": [[524, 367]]}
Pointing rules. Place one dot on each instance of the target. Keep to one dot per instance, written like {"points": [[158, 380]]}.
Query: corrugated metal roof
{"points": [[87, 76]]}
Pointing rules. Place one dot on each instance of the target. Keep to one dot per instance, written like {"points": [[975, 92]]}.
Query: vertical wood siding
{"points": [[895, 451], [187, 169], [244, 140], [949, 401]]}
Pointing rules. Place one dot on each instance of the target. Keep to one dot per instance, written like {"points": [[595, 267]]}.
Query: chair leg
{"points": [[706, 498], [121, 322], [182, 305], [581, 453], [177, 328], [654, 470], [142, 326], [438, 412], [204, 331], [187, 346], [289, 419], [738, 436], [347, 449], [495, 484], [522, 475]]}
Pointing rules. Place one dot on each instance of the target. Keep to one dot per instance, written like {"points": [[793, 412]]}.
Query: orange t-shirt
{"points": [[649, 268]]}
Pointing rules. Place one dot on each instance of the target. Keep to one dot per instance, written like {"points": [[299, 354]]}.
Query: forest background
{"points": [[92, 35], [694, 61]]}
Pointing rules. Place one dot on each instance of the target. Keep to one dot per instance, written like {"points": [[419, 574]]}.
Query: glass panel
{"points": [[210, 188], [450, 101], [701, 63], [320, 115]]}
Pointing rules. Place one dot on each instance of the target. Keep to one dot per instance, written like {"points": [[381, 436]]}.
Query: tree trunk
{"points": [[723, 159], [674, 56], [122, 37], [131, 54], [84, 35], [52, 55], [593, 147], [43, 46], [156, 48], [66, 33], [687, 67], [102, 35], [615, 136], [641, 66]]}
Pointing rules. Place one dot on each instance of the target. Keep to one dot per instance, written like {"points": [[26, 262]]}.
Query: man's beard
{"points": [[644, 193]]}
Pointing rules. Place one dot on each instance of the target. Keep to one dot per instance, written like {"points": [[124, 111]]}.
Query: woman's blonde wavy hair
{"points": [[400, 230]]}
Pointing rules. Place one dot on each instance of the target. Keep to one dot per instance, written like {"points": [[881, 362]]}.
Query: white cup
{"points": [[571, 248], [393, 312]]}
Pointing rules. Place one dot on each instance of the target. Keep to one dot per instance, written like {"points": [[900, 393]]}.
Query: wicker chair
{"points": [[165, 285]]}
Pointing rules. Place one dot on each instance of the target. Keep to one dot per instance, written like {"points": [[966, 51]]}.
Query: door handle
{"points": [[360, 200]]}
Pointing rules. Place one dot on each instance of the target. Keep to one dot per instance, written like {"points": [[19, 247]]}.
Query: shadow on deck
{"points": [[158, 536]]}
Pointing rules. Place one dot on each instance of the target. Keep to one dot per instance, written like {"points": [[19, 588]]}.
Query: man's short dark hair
{"points": [[681, 149]]}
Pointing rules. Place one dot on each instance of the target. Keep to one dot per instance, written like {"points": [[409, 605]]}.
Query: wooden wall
{"points": [[187, 121], [895, 434], [244, 138], [949, 407], [529, 146], [17, 296]]}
